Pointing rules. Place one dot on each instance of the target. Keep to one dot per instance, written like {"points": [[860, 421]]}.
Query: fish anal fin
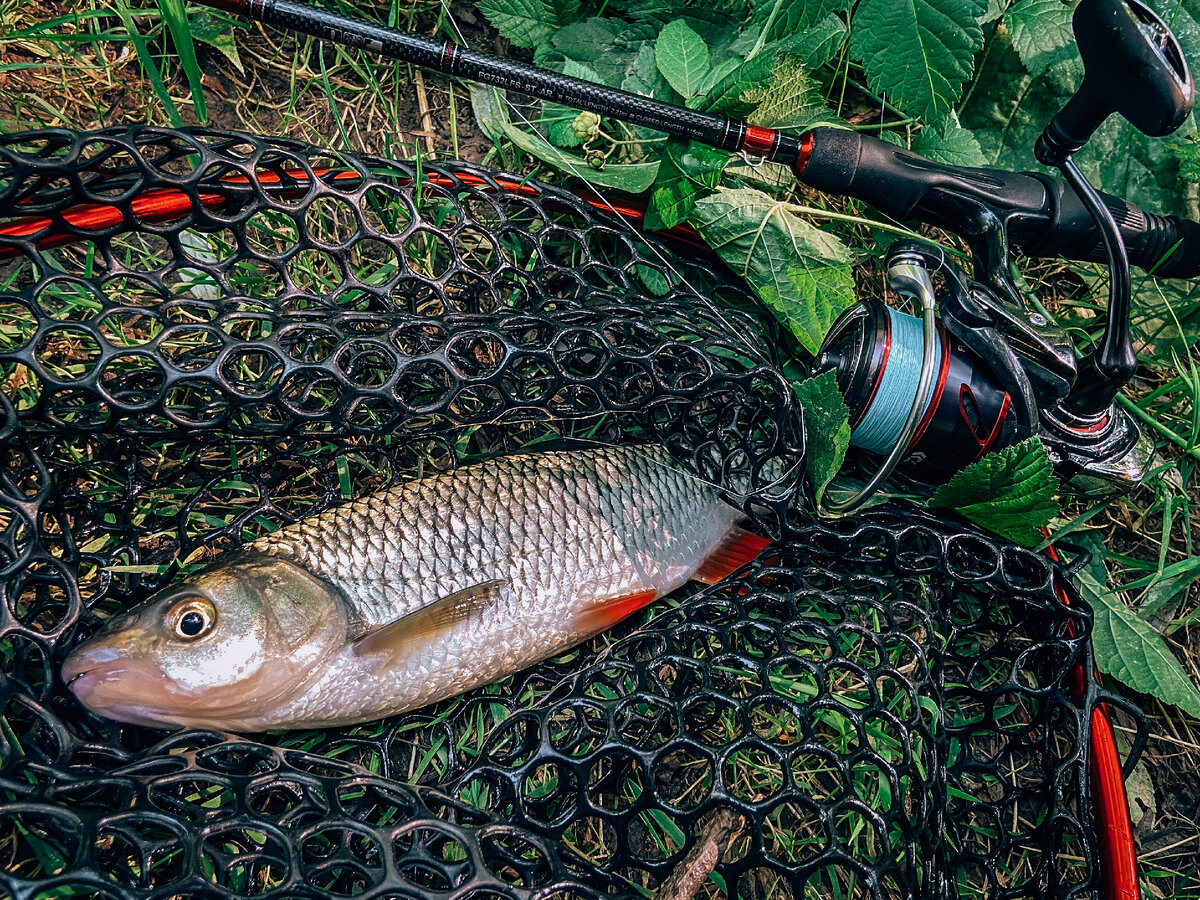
{"points": [[607, 612], [441, 615], [736, 549]]}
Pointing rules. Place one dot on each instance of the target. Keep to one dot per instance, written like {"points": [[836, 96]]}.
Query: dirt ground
{"points": [[297, 88]]}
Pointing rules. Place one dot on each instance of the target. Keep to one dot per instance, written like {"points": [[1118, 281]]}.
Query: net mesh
{"points": [[206, 335]]}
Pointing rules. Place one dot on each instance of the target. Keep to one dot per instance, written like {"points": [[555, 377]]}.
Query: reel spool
{"points": [[915, 393]]}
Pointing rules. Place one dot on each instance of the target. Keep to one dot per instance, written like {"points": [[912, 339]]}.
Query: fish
{"points": [[413, 594]]}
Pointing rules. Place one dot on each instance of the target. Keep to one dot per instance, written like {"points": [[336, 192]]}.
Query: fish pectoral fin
{"points": [[608, 611], [441, 615], [737, 548]]}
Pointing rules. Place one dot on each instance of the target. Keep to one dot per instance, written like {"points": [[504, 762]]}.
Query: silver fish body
{"points": [[410, 595]]}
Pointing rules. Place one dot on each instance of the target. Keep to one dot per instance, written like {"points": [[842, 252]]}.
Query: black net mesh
{"points": [[204, 336]]}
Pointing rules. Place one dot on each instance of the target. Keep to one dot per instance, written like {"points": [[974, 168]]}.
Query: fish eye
{"points": [[192, 619]]}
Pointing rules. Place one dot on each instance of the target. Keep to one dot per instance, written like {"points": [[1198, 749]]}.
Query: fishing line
{"points": [[883, 421]]}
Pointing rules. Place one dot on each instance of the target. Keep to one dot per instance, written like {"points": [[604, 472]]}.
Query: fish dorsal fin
{"points": [[440, 615], [736, 549]]}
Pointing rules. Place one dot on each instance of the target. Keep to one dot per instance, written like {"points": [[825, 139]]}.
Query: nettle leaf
{"points": [[1041, 33], [783, 18], [950, 143], [492, 115], [799, 271], [1129, 650], [682, 57], [819, 43], [918, 52], [1010, 492], [687, 169], [789, 101], [826, 428], [528, 22]]}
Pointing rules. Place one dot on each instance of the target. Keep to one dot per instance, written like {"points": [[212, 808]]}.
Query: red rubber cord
{"points": [[168, 204], [1110, 804]]}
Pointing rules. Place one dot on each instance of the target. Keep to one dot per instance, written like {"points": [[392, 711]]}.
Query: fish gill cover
{"points": [[242, 331]]}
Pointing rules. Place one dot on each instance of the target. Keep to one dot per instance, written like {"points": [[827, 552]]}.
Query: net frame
{"points": [[492, 315]]}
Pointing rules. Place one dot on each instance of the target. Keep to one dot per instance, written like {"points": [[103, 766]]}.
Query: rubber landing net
{"points": [[205, 335]]}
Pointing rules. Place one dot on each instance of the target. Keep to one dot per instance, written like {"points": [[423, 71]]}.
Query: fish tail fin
{"points": [[737, 548]]}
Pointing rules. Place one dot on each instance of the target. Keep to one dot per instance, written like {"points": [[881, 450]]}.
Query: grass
{"points": [[97, 65]]}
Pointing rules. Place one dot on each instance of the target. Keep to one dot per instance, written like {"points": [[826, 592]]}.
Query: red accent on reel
{"points": [[938, 389]]}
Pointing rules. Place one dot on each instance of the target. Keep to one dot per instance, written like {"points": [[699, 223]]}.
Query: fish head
{"points": [[222, 649]]}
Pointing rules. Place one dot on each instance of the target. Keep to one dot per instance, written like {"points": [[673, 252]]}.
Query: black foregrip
{"points": [[1169, 234], [1044, 215], [1166, 245], [907, 185]]}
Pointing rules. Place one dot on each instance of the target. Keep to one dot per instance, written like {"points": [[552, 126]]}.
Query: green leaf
{"points": [[716, 73], [218, 34], [1041, 33], [1134, 653], [1010, 492], [819, 43], [995, 9], [528, 23], [682, 57], [719, 13], [726, 95], [783, 18], [950, 143], [592, 44], [1187, 154], [799, 271], [687, 169], [493, 118], [918, 52], [789, 101], [826, 428]]}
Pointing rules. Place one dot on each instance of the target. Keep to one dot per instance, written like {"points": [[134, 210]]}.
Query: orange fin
{"points": [[605, 613], [735, 550]]}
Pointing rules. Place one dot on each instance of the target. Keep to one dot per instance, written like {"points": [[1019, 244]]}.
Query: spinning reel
{"points": [[994, 369]]}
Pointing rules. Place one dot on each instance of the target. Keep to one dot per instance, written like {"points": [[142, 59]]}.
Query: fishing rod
{"points": [[1047, 219], [983, 366]]}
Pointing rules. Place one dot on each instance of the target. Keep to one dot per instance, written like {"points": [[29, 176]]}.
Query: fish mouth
{"points": [[117, 688]]}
